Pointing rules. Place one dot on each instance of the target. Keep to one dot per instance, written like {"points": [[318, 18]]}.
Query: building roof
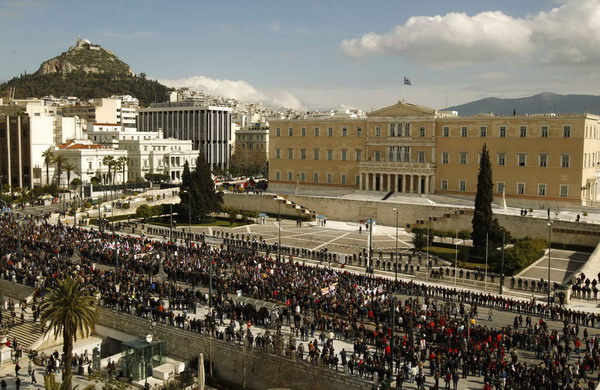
{"points": [[72, 145]]}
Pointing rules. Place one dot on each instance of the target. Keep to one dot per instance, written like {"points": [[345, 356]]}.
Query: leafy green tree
{"points": [[59, 161], [144, 211], [69, 310], [483, 216], [204, 199]]}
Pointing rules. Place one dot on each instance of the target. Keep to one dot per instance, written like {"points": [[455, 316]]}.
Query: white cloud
{"points": [[236, 89], [568, 34]]}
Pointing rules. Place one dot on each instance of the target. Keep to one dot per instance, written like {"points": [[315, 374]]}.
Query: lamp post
{"points": [[189, 196], [279, 229], [427, 251], [369, 268], [171, 222], [455, 257], [549, 256], [502, 263], [396, 254], [486, 263]]}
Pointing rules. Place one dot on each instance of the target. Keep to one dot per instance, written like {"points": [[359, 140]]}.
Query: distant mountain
{"points": [[538, 104], [87, 71]]}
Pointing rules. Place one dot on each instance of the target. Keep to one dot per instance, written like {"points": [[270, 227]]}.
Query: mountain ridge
{"points": [[541, 103]]}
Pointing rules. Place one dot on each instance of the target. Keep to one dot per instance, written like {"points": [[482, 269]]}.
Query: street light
{"points": [[276, 197], [396, 254], [549, 256], [189, 211], [171, 221]]}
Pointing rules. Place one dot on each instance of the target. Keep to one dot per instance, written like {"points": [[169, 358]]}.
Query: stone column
{"points": [[374, 181], [427, 184], [360, 181], [389, 187], [403, 184]]}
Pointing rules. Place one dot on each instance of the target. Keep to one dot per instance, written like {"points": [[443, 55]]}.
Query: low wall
{"points": [[229, 360], [448, 218], [262, 204]]}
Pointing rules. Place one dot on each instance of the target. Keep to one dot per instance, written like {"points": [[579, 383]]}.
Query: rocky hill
{"points": [[538, 104], [86, 57], [87, 71]]}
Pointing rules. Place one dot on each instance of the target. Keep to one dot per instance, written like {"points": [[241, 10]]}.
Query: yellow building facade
{"points": [[537, 160]]}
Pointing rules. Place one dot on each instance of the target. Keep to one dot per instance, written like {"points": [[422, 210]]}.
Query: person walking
{"points": [[33, 380]]}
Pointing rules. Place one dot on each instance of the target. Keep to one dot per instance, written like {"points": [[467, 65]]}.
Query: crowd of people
{"points": [[394, 338]]}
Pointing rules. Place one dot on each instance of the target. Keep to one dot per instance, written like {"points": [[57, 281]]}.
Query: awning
{"points": [[262, 215], [321, 216]]}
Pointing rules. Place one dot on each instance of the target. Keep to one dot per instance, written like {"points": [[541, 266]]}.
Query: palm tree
{"points": [[123, 161], [67, 310], [59, 161], [48, 156], [69, 167], [109, 161]]}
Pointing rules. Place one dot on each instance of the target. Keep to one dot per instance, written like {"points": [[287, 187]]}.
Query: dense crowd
{"points": [[434, 332]]}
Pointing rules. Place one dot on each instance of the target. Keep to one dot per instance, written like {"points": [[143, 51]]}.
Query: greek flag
{"points": [[407, 81]]}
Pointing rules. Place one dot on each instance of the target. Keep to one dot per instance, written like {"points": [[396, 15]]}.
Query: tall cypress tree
{"points": [[483, 223], [201, 187], [184, 189]]}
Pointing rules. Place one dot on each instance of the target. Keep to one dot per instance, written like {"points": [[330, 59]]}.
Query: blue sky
{"points": [[314, 54]]}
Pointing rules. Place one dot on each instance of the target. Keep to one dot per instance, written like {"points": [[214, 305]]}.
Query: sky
{"points": [[325, 54]]}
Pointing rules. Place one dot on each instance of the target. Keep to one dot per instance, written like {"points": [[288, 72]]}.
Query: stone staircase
{"points": [[27, 334]]}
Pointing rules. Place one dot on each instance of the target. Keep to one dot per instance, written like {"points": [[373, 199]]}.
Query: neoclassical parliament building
{"points": [[537, 160]]}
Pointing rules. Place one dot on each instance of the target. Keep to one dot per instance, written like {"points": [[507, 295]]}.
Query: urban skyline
{"points": [[326, 54]]}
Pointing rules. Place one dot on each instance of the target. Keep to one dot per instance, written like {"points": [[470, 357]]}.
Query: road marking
{"points": [[329, 242]]}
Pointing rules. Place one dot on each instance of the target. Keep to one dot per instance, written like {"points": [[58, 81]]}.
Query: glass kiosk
{"points": [[140, 356]]}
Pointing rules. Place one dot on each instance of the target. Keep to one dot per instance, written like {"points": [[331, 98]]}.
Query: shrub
{"points": [[87, 205]]}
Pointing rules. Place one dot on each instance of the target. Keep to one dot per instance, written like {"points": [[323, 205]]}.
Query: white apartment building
{"points": [[104, 110]]}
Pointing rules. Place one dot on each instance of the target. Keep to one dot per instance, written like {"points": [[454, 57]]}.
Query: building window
{"points": [[377, 156], [316, 153], [501, 159], [277, 175], [521, 188], [565, 160], [316, 131], [502, 132], [464, 132], [357, 180], [343, 179], [463, 158], [329, 178], [290, 176], [330, 132], [522, 158], [329, 154], [445, 132], [359, 131], [421, 132], [302, 177], [483, 131], [343, 155], [421, 157], [500, 187], [358, 155], [444, 184], [564, 190], [344, 131], [290, 154], [302, 154], [542, 189], [544, 131], [377, 131], [566, 131], [278, 132], [445, 158], [303, 131], [290, 131], [315, 177], [543, 159], [462, 185], [277, 153], [523, 131]]}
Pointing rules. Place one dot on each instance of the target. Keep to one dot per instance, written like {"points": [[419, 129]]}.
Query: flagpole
{"points": [[403, 91]]}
